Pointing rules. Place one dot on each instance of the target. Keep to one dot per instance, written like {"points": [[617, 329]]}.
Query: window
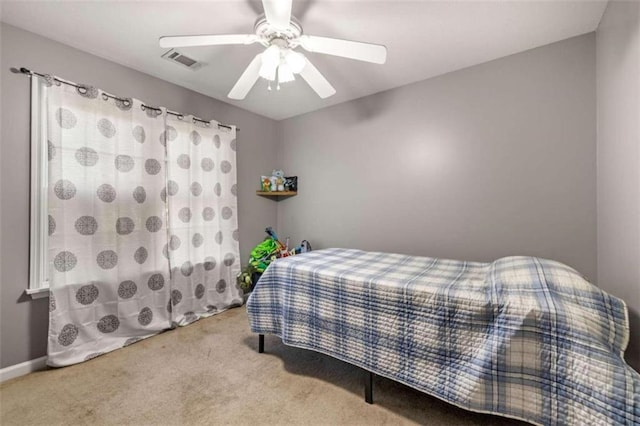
{"points": [[39, 221]]}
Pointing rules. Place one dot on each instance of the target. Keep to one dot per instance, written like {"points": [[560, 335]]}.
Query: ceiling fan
{"points": [[281, 33]]}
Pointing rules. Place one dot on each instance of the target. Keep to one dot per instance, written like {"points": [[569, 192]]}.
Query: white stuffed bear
{"points": [[277, 180]]}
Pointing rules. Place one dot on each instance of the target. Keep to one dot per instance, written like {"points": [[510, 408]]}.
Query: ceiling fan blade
{"points": [[318, 83], [278, 13], [367, 52], [247, 79], [207, 40]]}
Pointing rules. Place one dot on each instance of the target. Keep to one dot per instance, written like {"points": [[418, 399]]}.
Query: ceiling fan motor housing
{"points": [[284, 38]]}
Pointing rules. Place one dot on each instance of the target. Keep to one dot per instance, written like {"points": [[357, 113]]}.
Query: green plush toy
{"points": [[261, 256], [262, 253]]}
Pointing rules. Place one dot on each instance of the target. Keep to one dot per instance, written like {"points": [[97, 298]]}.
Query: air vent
{"points": [[179, 58]]}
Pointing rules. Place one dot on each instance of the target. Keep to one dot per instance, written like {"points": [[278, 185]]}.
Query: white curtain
{"points": [[203, 218], [118, 186]]}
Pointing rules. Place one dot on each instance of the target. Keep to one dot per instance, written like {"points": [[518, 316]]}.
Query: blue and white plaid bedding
{"points": [[522, 337]]}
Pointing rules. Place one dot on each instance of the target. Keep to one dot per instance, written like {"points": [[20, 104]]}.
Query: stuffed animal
{"points": [[279, 180], [266, 183], [244, 278], [291, 183]]}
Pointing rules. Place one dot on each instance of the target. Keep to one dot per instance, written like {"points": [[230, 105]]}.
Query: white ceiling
{"points": [[423, 38]]}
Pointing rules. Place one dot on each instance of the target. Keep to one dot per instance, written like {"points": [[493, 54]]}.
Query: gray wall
{"points": [[494, 160], [23, 322], [618, 82]]}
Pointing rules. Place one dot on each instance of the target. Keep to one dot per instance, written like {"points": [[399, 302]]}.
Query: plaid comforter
{"points": [[522, 337]]}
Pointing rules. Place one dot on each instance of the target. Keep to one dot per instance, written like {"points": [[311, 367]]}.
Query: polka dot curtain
{"points": [[118, 271], [203, 221]]}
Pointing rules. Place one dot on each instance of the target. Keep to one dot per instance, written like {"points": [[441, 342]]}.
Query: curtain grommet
{"points": [[87, 91], [48, 80], [124, 104]]}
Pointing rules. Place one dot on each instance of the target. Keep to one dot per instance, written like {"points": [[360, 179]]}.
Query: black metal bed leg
{"points": [[368, 388], [260, 343]]}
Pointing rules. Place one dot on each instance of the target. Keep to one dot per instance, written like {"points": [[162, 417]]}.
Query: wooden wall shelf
{"points": [[276, 194]]}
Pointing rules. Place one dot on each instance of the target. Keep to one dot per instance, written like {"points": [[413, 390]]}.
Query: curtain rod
{"points": [[26, 71]]}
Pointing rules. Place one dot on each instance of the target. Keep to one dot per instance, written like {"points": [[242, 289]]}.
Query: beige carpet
{"points": [[210, 373]]}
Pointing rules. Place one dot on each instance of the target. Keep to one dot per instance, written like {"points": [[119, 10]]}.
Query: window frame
{"points": [[39, 175]]}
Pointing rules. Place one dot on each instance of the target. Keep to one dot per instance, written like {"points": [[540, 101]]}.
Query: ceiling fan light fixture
{"points": [[295, 61], [271, 55], [285, 74], [268, 70]]}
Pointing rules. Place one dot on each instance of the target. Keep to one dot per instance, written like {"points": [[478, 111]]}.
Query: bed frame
{"points": [[368, 380]]}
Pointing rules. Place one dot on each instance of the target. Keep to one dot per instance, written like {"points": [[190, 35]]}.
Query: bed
{"points": [[521, 337]]}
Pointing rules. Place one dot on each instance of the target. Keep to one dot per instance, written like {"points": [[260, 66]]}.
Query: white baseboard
{"points": [[23, 368]]}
